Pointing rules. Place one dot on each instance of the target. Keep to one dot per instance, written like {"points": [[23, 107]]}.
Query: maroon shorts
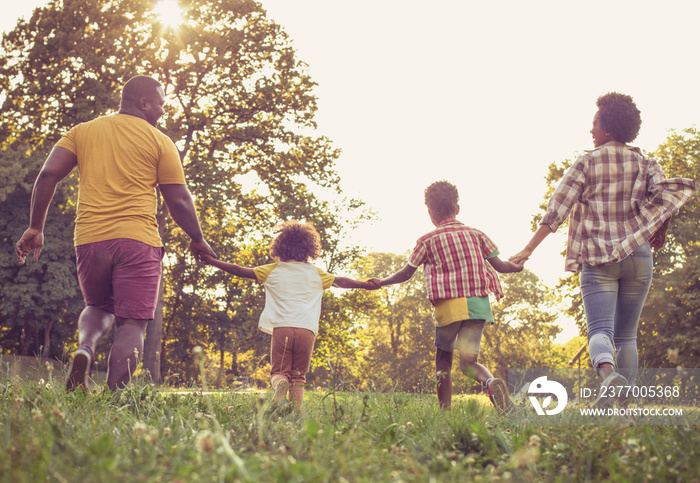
{"points": [[120, 276]]}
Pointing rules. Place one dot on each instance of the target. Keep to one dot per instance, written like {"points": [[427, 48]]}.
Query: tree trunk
{"points": [[154, 339], [47, 341], [220, 376], [153, 344], [25, 342], [234, 365]]}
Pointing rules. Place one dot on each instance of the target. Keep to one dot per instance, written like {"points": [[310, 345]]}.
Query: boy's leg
{"points": [[443, 372], [445, 343], [301, 361], [468, 344]]}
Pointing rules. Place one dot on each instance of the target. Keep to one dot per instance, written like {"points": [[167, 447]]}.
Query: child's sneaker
{"points": [[497, 390], [80, 368], [281, 390], [609, 393]]}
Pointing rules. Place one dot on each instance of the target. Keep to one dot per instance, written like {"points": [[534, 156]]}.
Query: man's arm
{"points": [[57, 166], [182, 209]]}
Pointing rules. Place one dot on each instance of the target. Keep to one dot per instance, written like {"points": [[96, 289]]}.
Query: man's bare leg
{"points": [[127, 350], [93, 324]]}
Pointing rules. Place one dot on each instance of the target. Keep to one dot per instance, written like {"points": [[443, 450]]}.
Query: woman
{"points": [[619, 205]]}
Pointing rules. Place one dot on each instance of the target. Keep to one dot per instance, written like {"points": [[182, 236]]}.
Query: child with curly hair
{"points": [[293, 292], [458, 265]]}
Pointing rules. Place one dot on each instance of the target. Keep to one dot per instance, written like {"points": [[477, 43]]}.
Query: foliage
{"points": [[397, 344], [668, 334], [525, 329], [146, 434], [241, 112], [42, 296]]}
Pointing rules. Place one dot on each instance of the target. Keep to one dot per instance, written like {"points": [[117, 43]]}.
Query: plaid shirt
{"points": [[454, 258], [616, 199]]}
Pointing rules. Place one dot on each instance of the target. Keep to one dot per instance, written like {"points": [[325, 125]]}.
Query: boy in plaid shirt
{"points": [[459, 266]]}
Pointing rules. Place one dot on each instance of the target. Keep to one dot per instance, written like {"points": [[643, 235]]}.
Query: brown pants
{"points": [[290, 355]]}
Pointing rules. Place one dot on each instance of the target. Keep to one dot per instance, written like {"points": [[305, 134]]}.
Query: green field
{"points": [[148, 434]]}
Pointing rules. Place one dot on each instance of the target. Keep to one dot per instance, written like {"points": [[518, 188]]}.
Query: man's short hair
{"points": [[137, 88]]}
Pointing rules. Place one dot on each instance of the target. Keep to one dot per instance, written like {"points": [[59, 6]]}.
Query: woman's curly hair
{"points": [[295, 241], [618, 116], [442, 197]]}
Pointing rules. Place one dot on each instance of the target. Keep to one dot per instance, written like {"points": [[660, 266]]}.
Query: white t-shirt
{"points": [[293, 293]]}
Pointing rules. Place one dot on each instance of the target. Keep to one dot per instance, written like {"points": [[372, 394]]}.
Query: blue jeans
{"points": [[613, 298]]}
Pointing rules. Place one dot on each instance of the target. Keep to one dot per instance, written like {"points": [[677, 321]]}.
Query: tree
{"points": [[242, 111], [525, 327], [398, 340], [668, 333]]}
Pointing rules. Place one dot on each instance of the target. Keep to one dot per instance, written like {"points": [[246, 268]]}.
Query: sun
{"points": [[168, 12]]}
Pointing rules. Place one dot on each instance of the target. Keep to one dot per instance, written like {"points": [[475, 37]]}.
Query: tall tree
{"points": [[668, 334], [398, 342], [525, 327], [241, 112]]}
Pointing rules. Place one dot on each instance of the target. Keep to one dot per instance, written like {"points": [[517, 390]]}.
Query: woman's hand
{"points": [[521, 257], [658, 239]]}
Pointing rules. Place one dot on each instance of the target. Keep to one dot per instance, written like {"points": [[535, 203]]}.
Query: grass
{"points": [[148, 434]]}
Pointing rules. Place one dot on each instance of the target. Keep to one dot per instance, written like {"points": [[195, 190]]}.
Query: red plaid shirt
{"points": [[616, 199], [454, 262]]}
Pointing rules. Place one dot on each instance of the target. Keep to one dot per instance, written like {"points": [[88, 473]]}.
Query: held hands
{"points": [[206, 259], [374, 284], [521, 257], [32, 239], [201, 248], [518, 267]]}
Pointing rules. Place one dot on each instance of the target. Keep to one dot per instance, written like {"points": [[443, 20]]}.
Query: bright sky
{"points": [[483, 94]]}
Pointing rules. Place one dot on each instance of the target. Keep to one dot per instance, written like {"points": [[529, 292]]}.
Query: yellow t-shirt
{"points": [[121, 159]]}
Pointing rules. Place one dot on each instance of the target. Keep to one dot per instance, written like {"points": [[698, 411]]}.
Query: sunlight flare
{"points": [[168, 12]]}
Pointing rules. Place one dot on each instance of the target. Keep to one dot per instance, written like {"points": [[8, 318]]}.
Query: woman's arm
{"points": [[542, 232], [231, 268]]}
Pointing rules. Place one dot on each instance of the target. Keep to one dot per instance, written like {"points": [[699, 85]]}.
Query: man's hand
{"points": [[32, 239], [197, 249], [206, 258]]}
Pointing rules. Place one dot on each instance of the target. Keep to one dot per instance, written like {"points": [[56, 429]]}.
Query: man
{"points": [[121, 159]]}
